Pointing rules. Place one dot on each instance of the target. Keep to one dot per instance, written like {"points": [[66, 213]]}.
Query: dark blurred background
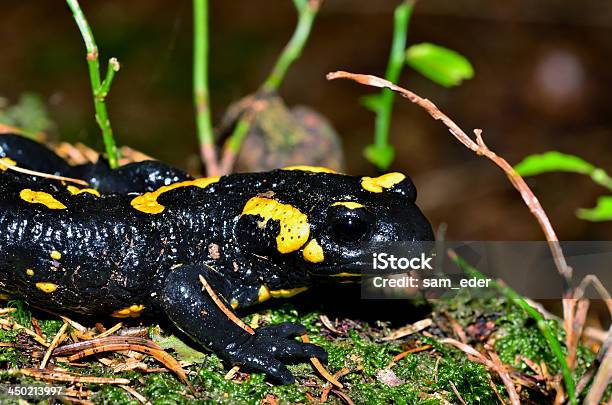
{"points": [[543, 80]]}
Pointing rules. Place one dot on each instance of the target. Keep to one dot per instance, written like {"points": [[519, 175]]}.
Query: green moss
{"points": [[425, 377], [111, 394], [520, 335]]}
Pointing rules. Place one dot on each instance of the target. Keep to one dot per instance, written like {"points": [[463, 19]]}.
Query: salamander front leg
{"points": [[195, 312]]}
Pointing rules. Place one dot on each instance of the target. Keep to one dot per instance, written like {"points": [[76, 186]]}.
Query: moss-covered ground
{"points": [[437, 375]]}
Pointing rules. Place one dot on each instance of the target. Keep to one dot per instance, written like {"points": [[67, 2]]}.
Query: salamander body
{"points": [[146, 237]]}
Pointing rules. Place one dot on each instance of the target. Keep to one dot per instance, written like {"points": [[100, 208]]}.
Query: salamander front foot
{"points": [[270, 348]]}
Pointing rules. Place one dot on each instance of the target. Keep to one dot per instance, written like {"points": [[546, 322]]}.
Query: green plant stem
{"points": [[240, 131], [394, 68], [99, 88], [546, 331], [307, 11], [200, 86]]}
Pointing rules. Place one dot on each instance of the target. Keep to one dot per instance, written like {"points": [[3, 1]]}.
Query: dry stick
{"points": [[457, 394], [230, 374], [139, 397], [41, 174], [601, 381], [400, 356], [163, 357], [53, 345], [317, 364], [480, 148], [63, 376], [327, 389], [577, 326], [110, 331], [15, 326], [224, 308], [409, 329], [592, 279]]}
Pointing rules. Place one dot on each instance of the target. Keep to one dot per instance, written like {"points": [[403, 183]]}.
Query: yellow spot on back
{"points": [[46, 287], [294, 226], [76, 191], [234, 303], [30, 272], [348, 204], [133, 311], [55, 255], [313, 169], [377, 184], [313, 252], [7, 161], [347, 275], [265, 293], [40, 197], [148, 201]]}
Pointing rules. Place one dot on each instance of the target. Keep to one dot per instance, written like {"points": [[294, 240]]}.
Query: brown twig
{"points": [[593, 280], [230, 374], [15, 326], [457, 328], [67, 377], [480, 148], [328, 324], [224, 308], [41, 174], [110, 331], [409, 329], [319, 367], [139, 397], [328, 387], [87, 348], [59, 337], [576, 326], [400, 356], [343, 397], [457, 394]]}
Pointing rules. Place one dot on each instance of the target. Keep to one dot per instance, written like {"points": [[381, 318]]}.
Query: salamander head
{"points": [[327, 224]]}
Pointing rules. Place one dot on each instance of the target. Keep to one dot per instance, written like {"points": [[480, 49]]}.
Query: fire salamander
{"points": [[149, 238]]}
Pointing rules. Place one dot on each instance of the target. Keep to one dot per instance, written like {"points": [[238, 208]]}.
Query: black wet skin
{"points": [[114, 256]]}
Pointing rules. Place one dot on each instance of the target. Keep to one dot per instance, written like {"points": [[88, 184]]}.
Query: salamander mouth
{"points": [[345, 271]]}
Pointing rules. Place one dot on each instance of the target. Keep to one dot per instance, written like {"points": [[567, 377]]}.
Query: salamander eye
{"points": [[349, 226]]}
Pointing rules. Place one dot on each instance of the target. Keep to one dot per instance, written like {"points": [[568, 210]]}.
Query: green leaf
{"points": [[440, 65], [372, 102], [602, 212], [553, 161], [380, 156], [183, 351]]}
